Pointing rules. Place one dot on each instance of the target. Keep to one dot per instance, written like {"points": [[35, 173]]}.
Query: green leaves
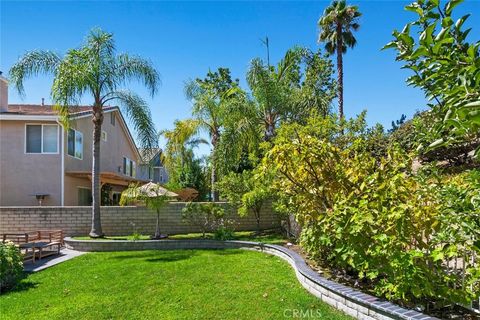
{"points": [[368, 213], [31, 64], [447, 68], [451, 5]]}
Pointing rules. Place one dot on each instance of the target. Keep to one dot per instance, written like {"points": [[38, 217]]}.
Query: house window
{"points": [[104, 136], [84, 197], [41, 138], [129, 167], [75, 144], [112, 118]]}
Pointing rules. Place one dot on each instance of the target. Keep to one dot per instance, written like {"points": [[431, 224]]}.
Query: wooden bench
{"points": [[40, 243], [21, 240], [46, 240]]}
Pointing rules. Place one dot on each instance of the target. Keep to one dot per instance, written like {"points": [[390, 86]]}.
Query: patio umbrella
{"points": [[152, 190]]}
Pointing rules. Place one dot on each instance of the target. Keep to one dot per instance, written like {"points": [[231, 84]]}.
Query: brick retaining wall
{"points": [[76, 221]]}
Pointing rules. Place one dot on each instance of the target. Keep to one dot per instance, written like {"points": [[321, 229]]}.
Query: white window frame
{"points": [[74, 137], [41, 138]]}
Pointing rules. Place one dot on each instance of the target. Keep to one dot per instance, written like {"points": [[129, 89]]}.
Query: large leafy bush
{"points": [[11, 265], [372, 216]]}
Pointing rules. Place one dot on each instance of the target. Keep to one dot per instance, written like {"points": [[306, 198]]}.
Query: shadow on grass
{"points": [[24, 285], [225, 252], [172, 257], [158, 256]]}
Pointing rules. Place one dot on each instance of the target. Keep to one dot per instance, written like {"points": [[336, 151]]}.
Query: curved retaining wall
{"points": [[353, 302]]}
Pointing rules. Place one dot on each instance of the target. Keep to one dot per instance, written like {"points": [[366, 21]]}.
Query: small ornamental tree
{"points": [[247, 192], [153, 198], [205, 216]]}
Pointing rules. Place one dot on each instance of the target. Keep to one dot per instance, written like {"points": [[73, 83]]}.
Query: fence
{"points": [[76, 221]]}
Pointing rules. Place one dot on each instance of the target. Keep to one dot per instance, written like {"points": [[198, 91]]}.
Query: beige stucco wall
{"points": [[112, 151], [71, 189], [22, 174]]}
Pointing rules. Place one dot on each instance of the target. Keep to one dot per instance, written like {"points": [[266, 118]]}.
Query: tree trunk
{"points": [[96, 231], [257, 218], [157, 229], [269, 131], [340, 69], [215, 195]]}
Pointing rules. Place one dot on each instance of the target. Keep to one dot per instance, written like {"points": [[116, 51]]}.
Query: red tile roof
{"points": [[36, 109]]}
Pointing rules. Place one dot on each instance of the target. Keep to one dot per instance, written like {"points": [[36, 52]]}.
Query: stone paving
{"points": [[65, 254]]}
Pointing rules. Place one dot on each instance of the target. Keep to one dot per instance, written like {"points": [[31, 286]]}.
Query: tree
{"points": [[180, 142], [446, 67], [94, 70], [152, 195], [337, 24], [211, 97], [272, 89]]}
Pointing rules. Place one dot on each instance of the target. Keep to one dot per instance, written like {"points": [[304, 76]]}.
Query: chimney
{"points": [[3, 94]]}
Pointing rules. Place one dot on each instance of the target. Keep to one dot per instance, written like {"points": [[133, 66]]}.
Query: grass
{"points": [[186, 284], [265, 237]]}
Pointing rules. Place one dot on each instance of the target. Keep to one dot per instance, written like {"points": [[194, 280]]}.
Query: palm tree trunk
{"points": [[96, 231], [157, 229], [213, 181], [340, 69], [269, 131], [215, 195]]}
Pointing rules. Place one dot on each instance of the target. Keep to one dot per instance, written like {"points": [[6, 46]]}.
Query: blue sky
{"points": [[186, 39]]}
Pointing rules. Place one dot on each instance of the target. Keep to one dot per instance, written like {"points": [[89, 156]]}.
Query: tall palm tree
{"points": [[94, 70], [211, 99], [337, 24], [273, 89]]}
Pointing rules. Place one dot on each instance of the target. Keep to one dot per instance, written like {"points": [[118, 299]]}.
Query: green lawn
{"points": [[186, 284], [265, 237]]}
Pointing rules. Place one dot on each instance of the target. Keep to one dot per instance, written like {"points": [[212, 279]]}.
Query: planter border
{"points": [[351, 301]]}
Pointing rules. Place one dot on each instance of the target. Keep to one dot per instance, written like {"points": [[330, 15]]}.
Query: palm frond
{"points": [[31, 64], [133, 67], [137, 111]]}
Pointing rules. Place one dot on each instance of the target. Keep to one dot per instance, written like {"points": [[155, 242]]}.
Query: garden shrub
{"points": [[374, 217], [224, 232], [205, 216], [11, 265]]}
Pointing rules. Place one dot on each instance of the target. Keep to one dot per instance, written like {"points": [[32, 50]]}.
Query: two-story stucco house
{"points": [[41, 161]]}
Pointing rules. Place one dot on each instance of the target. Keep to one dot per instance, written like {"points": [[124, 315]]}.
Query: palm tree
{"points": [[273, 89], [94, 70], [337, 24], [211, 99], [180, 142]]}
